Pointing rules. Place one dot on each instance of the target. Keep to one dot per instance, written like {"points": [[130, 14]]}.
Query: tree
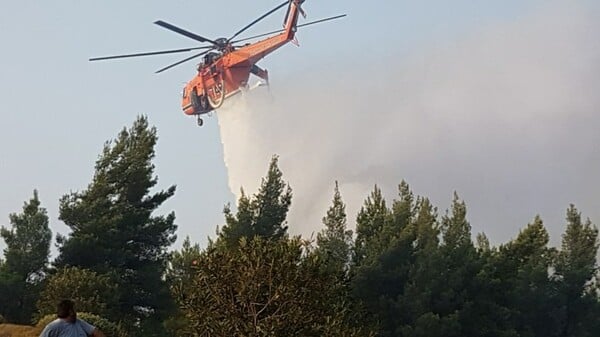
{"points": [[114, 230], [459, 264], [369, 225], [28, 241], [334, 247], [456, 230], [182, 262], [26, 253], [335, 241], [262, 215], [92, 292], [575, 269], [402, 214], [396, 262], [482, 243], [263, 287], [180, 274], [420, 290], [528, 292], [12, 289]]}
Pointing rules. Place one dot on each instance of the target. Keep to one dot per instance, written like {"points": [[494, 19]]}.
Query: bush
{"points": [[2, 320], [42, 322], [91, 292], [109, 328]]}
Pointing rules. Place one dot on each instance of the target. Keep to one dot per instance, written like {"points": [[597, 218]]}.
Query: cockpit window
{"points": [[184, 93]]}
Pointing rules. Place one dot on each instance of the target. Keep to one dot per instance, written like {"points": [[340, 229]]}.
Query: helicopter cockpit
{"points": [[211, 57], [208, 60]]}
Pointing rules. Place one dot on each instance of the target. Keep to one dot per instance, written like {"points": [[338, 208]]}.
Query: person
{"points": [[68, 325]]}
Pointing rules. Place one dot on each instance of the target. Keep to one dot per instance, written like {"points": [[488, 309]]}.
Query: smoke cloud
{"points": [[508, 117]]}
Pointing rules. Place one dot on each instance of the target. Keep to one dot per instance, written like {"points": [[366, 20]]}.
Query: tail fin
{"points": [[291, 17]]}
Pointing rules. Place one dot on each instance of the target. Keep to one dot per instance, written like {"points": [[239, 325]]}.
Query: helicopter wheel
{"points": [[219, 95], [200, 121]]}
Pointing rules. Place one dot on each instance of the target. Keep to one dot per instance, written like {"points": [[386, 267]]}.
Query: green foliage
{"points": [[577, 259], [109, 328], [458, 265], [409, 272], [45, 320], [92, 292], [369, 225], [262, 215], [28, 241], [114, 231], [456, 230], [576, 269], [26, 254], [180, 274], [182, 263], [335, 241], [482, 243], [529, 292], [412, 283], [393, 255], [263, 288], [12, 287]]}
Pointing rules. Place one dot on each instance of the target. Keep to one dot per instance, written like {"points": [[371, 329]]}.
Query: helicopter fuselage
{"points": [[228, 73]]}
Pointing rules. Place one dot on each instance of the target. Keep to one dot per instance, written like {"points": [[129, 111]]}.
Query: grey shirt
{"points": [[62, 328]]}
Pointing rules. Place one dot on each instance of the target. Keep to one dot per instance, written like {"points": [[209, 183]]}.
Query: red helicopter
{"points": [[226, 66]]}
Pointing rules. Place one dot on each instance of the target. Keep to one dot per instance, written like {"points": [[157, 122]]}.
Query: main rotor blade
{"points": [[298, 26], [180, 62], [257, 20], [148, 53], [184, 32]]}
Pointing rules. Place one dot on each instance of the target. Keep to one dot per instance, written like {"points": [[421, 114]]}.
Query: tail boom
{"points": [[252, 53]]}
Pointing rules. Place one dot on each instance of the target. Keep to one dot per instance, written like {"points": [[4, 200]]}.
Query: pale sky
{"points": [[58, 109]]}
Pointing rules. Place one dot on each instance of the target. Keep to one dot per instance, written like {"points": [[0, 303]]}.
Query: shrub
{"points": [[91, 292], [42, 322]]}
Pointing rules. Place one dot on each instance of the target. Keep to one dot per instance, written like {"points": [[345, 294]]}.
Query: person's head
{"points": [[66, 310]]}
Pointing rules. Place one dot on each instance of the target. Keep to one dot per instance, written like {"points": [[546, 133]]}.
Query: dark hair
{"points": [[64, 308]]}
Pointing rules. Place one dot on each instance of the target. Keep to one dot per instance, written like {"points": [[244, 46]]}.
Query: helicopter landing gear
{"points": [[200, 121]]}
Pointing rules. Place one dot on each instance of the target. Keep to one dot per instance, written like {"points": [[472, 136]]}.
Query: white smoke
{"points": [[507, 117]]}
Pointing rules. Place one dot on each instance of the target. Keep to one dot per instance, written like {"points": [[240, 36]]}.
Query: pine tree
{"points": [[27, 251], [272, 204], [370, 223], [183, 264], [115, 232], [421, 289], [530, 293], [335, 241], [482, 243], [403, 210], [394, 254], [456, 230], [575, 269], [239, 225], [458, 267], [262, 215]]}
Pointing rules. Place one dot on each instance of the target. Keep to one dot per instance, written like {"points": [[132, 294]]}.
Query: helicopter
{"points": [[226, 65]]}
